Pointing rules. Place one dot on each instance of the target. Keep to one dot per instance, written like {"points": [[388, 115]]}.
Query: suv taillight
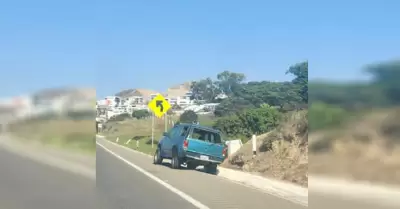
{"points": [[185, 144], [225, 151]]}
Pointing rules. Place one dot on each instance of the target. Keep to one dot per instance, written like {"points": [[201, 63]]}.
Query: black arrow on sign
{"points": [[159, 103]]}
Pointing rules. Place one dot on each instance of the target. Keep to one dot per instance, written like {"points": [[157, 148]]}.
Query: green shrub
{"points": [[120, 117], [188, 116], [140, 114], [249, 122], [321, 116]]}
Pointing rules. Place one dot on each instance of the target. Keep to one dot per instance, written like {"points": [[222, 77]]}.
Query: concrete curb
{"points": [[276, 188], [271, 186], [365, 191]]}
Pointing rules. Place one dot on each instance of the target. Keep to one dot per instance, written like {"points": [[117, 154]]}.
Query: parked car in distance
{"points": [[193, 145]]}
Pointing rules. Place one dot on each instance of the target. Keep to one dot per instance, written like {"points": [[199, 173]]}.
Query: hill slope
{"points": [[365, 149], [282, 153]]}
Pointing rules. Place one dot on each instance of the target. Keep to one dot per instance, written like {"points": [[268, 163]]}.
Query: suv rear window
{"points": [[206, 136]]}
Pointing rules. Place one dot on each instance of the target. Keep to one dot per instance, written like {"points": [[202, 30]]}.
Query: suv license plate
{"points": [[203, 157]]}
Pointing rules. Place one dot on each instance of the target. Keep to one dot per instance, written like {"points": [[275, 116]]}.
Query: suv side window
{"points": [[215, 138], [184, 131], [174, 131]]}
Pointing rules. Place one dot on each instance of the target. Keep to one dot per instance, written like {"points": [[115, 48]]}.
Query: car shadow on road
{"points": [[184, 168]]}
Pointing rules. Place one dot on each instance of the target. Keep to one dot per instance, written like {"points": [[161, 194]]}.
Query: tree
{"points": [[188, 116], [229, 82], [205, 89], [231, 106], [386, 76], [382, 90], [242, 95], [300, 71]]}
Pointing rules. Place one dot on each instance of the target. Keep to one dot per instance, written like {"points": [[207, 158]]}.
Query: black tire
{"points": [[157, 159], [211, 168], [191, 165], [175, 161]]}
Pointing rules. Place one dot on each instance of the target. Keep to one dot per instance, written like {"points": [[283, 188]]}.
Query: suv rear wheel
{"points": [[211, 168], [175, 161]]}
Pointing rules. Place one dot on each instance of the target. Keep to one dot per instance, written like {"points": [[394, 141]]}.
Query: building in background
{"points": [[137, 96], [180, 95]]}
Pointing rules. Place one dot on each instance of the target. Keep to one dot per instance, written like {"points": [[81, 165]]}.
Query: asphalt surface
{"points": [[25, 183], [119, 185]]}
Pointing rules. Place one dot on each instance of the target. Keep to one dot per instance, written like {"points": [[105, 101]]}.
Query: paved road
{"points": [[25, 183], [119, 185]]}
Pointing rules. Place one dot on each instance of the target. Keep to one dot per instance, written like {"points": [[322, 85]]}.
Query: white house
{"points": [[180, 95]]}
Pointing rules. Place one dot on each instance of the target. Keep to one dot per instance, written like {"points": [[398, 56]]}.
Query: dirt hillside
{"points": [[282, 153], [366, 149]]}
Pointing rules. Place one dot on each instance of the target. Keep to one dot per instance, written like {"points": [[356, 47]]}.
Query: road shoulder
{"points": [[72, 162], [367, 192]]}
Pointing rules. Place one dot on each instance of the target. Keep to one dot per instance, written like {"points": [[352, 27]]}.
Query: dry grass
{"points": [[136, 130], [283, 153], [74, 134], [368, 149]]}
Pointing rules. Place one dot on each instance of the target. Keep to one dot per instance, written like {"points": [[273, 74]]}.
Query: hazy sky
{"points": [[115, 45]]}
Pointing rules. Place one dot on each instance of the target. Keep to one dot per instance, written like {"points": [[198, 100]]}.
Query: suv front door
{"points": [[169, 141]]}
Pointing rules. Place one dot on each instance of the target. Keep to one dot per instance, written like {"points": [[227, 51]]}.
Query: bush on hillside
{"points": [[322, 115], [81, 115], [120, 117], [140, 114], [293, 127], [188, 116], [249, 122]]}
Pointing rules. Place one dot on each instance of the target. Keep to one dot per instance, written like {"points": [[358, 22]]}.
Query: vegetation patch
{"points": [[75, 134]]}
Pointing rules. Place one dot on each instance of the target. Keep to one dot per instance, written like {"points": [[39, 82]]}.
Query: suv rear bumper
{"points": [[196, 156]]}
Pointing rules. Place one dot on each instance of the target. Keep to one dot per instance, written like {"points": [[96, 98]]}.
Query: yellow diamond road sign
{"points": [[159, 105]]}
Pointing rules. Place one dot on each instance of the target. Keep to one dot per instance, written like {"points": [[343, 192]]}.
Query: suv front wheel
{"points": [[157, 159]]}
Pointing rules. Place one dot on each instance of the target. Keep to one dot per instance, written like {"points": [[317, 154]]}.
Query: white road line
{"points": [[151, 176]]}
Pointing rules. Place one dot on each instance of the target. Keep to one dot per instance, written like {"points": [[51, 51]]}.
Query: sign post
{"points": [[159, 106], [152, 130], [166, 122]]}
